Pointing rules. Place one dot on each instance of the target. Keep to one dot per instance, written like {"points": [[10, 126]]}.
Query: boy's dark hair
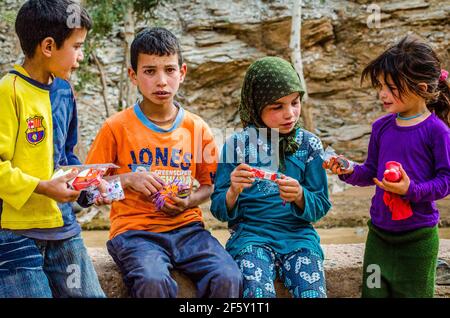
{"points": [[49, 18], [408, 63], [157, 41]]}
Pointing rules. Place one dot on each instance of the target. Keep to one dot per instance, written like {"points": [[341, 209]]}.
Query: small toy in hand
{"points": [[266, 175], [262, 174], [89, 175], [343, 162], [400, 208], [392, 172], [89, 178], [114, 192], [173, 189]]}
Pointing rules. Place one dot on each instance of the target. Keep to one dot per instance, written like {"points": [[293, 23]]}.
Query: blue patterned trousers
{"points": [[301, 272]]}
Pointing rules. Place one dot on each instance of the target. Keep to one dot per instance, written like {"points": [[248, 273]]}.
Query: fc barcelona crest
{"points": [[36, 131]]}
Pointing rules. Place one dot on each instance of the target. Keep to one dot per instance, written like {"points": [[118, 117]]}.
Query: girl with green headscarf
{"points": [[271, 221]]}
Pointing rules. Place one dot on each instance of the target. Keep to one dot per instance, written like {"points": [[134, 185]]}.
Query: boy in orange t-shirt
{"points": [[155, 142]]}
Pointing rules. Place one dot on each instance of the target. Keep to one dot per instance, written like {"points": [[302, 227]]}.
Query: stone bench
{"points": [[343, 271]]}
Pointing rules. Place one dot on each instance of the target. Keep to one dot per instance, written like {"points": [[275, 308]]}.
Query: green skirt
{"points": [[400, 264]]}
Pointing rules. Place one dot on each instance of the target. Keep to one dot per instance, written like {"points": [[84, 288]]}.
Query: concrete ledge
{"points": [[343, 271]]}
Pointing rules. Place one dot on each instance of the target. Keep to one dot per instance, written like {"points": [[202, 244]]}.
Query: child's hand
{"points": [[57, 189], [179, 206], [333, 165], [147, 183], [400, 187], [290, 189], [242, 177], [103, 189]]}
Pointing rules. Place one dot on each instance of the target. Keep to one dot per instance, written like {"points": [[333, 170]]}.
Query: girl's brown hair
{"points": [[408, 63]]}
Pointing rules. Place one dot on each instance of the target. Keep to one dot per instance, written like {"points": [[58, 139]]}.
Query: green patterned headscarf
{"points": [[267, 80]]}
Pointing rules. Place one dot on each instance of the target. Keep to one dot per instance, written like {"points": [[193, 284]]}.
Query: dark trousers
{"points": [[146, 258]]}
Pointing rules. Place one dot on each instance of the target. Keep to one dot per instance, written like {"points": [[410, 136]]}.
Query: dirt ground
{"points": [[350, 209]]}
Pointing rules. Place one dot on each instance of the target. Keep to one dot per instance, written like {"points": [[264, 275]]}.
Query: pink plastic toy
{"points": [[392, 172], [400, 208]]}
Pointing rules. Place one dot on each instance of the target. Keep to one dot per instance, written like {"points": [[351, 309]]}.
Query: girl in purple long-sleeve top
{"points": [[400, 255]]}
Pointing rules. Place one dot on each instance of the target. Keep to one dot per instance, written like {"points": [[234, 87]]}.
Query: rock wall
{"points": [[343, 273], [221, 38]]}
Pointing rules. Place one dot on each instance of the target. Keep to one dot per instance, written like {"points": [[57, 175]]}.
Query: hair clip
{"points": [[444, 75]]}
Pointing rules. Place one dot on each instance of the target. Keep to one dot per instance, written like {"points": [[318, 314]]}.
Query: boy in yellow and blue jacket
{"points": [[41, 251]]}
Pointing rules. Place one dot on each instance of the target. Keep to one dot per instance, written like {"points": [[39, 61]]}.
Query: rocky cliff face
{"points": [[221, 38]]}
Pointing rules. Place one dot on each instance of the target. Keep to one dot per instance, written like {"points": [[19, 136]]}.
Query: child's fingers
{"points": [[288, 196], [69, 176], [288, 189], [287, 183], [102, 201], [156, 183], [243, 173], [327, 164], [378, 183], [144, 190], [242, 180], [177, 200], [171, 209], [388, 184], [149, 186], [244, 166], [404, 174], [72, 195], [155, 177]]}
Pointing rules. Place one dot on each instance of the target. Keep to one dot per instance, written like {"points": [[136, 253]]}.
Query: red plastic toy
{"points": [[392, 172], [87, 178], [261, 174], [400, 208]]}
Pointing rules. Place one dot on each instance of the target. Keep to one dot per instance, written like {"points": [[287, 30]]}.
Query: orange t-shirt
{"points": [[185, 151]]}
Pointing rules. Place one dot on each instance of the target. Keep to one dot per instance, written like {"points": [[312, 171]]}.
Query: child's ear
{"points": [[423, 87], [133, 76], [183, 71], [47, 46]]}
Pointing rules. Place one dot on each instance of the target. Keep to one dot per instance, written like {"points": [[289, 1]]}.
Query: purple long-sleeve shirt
{"points": [[424, 152]]}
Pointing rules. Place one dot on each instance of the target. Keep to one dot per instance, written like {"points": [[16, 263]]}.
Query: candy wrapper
{"points": [[344, 163], [86, 178], [266, 175], [173, 189], [114, 192], [89, 178]]}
